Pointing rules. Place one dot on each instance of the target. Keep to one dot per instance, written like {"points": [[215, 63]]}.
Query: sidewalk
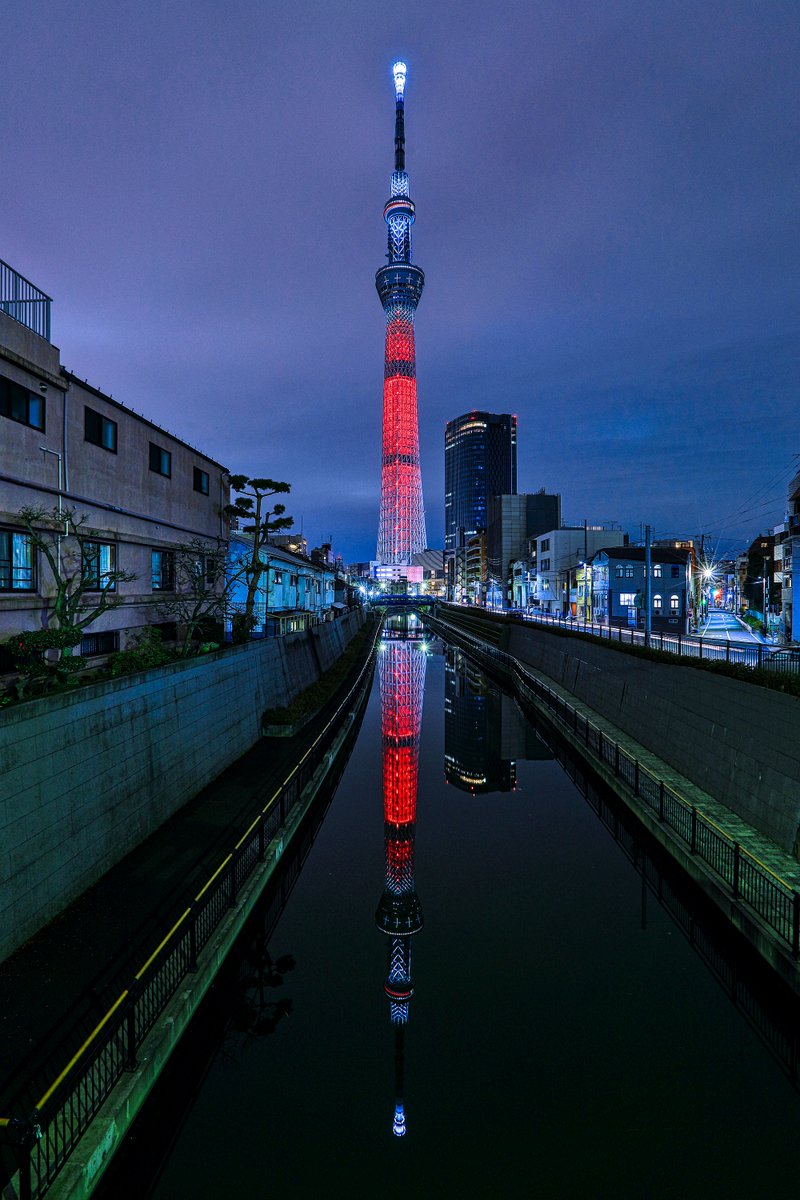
{"points": [[66, 975]]}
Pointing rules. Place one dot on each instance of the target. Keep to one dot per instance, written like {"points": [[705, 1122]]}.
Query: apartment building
{"points": [[118, 494]]}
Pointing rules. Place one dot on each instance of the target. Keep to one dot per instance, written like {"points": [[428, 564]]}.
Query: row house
{"points": [[119, 495], [619, 588], [293, 592]]}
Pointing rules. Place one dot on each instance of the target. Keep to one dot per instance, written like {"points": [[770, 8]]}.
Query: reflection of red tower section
{"points": [[402, 669]]}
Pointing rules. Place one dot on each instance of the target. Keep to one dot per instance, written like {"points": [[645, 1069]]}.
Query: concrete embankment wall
{"points": [[85, 777], [738, 742]]}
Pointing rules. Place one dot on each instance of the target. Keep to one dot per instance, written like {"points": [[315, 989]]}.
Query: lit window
{"points": [[674, 603], [628, 598], [629, 572], [98, 430], [657, 603], [16, 562], [99, 566], [657, 571], [162, 563], [160, 460], [618, 571]]}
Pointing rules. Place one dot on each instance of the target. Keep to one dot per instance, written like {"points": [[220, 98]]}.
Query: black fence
{"points": [[750, 881], [41, 1142], [759, 654], [23, 301]]}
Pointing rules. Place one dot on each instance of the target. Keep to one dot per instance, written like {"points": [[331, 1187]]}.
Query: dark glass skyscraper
{"points": [[480, 460]]}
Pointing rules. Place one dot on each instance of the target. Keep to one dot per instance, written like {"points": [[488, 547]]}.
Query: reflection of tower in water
{"points": [[401, 669]]}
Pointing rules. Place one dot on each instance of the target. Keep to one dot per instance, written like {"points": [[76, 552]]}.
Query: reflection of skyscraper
{"points": [[401, 669], [484, 731]]}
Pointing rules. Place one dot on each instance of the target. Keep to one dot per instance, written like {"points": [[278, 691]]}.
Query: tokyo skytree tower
{"points": [[401, 528]]}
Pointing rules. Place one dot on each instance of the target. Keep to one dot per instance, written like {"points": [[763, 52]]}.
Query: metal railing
{"points": [[23, 301], [773, 899], [682, 645], [43, 1140]]}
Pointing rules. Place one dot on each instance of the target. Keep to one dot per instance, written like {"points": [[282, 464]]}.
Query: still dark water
{"points": [[563, 1038]]}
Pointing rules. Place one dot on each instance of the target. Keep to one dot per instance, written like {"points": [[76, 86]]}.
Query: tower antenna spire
{"points": [[401, 526], [399, 73]]}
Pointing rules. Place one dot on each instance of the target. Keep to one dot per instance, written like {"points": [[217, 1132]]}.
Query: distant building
{"points": [[619, 588], [67, 445], [559, 583], [513, 522], [295, 543], [790, 556], [293, 592], [480, 460]]}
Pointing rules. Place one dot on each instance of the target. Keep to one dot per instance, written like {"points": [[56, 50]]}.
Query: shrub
{"points": [[146, 650]]}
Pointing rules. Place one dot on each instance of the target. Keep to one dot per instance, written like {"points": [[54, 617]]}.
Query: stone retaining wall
{"points": [[737, 741], [85, 777]]}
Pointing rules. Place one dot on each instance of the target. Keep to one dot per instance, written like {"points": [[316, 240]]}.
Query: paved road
{"points": [[723, 626]]}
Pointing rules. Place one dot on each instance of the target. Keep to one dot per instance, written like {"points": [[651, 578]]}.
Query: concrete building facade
{"points": [[140, 493]]}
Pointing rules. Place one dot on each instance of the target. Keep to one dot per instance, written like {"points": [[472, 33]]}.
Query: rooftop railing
{"points": [[24, 302]]}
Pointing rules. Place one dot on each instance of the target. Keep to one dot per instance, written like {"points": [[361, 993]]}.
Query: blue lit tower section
{"points": [[401, 526], [401, 669]]}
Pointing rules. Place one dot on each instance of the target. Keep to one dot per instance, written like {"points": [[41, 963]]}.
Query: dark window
{"points": [[99, 643], [18, 404], [163, 570], [99, 566], [98, 430], [167, 629], [201, 481], [160, 460], [16, 562], [546, 544], [279, 577], [676, 572], [545, 564], [618, 571], [293, 581]]}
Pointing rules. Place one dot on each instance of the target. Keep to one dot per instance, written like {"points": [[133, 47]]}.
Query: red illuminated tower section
{"points": [[401, 669], [401, 528]]}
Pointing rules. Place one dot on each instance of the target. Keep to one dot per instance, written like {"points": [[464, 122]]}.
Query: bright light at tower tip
{"points": [[399, 72]]}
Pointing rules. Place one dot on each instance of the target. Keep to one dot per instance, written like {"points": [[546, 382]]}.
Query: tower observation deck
{"points": [[401, 527]]}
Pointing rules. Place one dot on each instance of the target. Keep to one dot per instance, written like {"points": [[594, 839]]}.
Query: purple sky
{"points": [[607, 200]]}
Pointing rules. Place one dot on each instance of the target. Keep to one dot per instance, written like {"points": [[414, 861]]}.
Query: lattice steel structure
{"points": [[401, 528], [401, 669]]}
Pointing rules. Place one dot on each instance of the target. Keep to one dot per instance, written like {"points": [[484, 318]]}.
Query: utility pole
{"points": [[648, 587], [764, 603]]}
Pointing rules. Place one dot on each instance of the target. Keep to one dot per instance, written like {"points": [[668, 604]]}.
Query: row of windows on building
{"points": [[628, 572], [18, 404], [629, 599], [18, 566]]}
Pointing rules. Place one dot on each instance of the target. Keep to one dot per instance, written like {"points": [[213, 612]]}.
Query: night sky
{"points": [[607, 198]]}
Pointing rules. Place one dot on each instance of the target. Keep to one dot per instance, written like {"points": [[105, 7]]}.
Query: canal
{"points": [[542, 1006]]}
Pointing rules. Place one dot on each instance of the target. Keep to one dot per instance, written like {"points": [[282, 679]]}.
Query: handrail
{"points": [[196, 922]]}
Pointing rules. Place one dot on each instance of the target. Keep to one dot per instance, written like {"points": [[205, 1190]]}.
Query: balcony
{"points": [[23, 302]]}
